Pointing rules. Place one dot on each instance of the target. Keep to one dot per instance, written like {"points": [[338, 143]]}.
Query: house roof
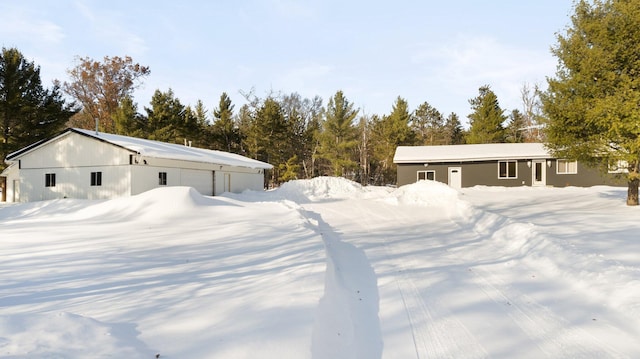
{"points": [[470, 153], [156, 149]]}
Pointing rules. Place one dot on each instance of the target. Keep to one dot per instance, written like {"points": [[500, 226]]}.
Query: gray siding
{"points": [[486, 173]]}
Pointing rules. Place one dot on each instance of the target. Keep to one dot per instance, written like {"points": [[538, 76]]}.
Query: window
{"points": [[96, 178], [162, 178], [566, 167], [50, 180], [507, 169], [426, 175]]}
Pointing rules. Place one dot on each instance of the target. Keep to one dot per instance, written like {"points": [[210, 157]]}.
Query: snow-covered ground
{"points": [[324, 269]]}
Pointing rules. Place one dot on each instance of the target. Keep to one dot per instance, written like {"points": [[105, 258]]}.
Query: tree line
{"points": [[300, 137], [590, 111]]}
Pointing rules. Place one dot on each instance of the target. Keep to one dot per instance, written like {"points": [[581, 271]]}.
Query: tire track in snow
{"points": [[436, 333], [550, 332]]}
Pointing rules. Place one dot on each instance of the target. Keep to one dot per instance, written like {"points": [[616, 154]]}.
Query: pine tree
{"points": [[592, 103], [224, 132], [453, 131], [128, 121], [339, 137], [271, 135], [388, 133], [165, 118], [486, 121], [28, 111], [428, 125]]}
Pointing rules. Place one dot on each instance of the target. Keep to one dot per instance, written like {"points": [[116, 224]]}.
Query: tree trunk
{"points": [[632, 191]]}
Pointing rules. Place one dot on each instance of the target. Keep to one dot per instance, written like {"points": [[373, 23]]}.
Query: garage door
{"points": [[201, 180]]}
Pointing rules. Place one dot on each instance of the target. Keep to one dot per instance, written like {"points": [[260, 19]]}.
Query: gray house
{"points": [[496, 164], [86, 164]]}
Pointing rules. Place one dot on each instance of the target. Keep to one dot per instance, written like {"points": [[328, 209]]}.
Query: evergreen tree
{"points": [[515, 131], [289, 170], [388, 133], [339, 137], [453, 131], [244, 121], [428, 125], [487, 118], [127, 120], [224, 132], [28, 111], [200, 112], [270, 134], [165, 118], [592, 104], [191, 129]]}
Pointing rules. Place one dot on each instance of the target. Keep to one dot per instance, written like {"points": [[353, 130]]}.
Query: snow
{"points": [[324, 268], [156, 149], [470, 152]]}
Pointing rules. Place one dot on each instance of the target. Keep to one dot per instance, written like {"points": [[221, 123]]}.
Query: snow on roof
{"points": [[468, 153], [156, 149]]}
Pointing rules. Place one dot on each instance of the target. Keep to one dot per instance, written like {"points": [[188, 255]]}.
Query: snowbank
{"points": [[66, 335], [319, 188], [425, 193], [323, 268]]}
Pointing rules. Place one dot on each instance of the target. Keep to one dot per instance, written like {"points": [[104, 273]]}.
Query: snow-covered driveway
{"points": [[484, 278], [324, 269]]}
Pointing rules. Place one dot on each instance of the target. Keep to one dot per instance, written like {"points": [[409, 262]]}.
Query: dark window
{"points": [[426, 175], [507, 169], [50, 180], [96, 178], [162, 178]]}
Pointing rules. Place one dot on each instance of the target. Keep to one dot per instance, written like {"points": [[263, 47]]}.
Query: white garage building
{"points": [[87, 164]]}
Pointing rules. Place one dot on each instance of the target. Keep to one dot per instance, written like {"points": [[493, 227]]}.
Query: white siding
{"points": [[72, 157], [74, 150], [74, 183]]}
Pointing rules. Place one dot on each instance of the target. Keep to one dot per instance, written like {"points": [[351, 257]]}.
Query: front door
{"points": [[455, 177], [539, 173]]}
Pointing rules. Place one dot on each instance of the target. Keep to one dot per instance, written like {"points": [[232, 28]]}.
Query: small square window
{"points": [[566, 167], [50, 180], [507, 169], [162, 178], [96, 178]]}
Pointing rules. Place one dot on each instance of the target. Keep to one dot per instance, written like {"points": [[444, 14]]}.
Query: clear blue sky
{"points": [[440, 52]]}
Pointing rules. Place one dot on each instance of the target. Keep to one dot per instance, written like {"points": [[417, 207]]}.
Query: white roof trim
{"points": [[470, 153]]}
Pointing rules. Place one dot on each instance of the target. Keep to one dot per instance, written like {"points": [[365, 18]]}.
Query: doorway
{"points": [[538, 173], [455, 177]]}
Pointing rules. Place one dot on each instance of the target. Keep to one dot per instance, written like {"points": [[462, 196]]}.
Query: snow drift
{"points": [[324, 268]]}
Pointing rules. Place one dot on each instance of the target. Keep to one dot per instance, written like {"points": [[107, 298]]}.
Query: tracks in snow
{"points": [[433, 306]]}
